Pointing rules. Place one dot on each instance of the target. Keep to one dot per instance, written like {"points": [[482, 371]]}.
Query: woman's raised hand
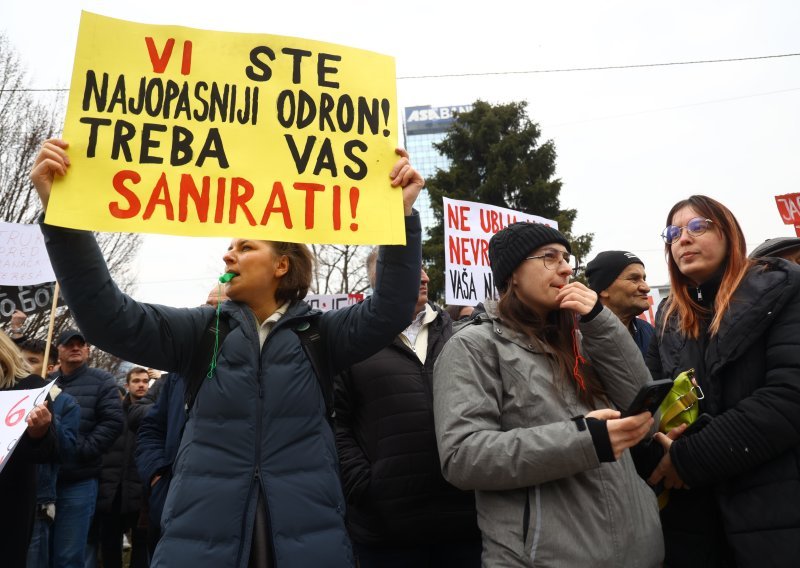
{"points": [[52, 160], [405, 176], [577, 298]]}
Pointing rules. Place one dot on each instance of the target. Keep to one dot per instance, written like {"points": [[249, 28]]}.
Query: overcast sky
{"points": [[630, 142]]}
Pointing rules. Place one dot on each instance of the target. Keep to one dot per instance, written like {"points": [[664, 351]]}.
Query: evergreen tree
{"points": [[496, 159]]}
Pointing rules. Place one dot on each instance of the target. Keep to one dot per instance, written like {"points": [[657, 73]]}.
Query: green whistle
{"points": [[227, 277]]}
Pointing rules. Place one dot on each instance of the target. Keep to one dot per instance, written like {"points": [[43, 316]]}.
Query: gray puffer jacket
{"points": [[505, 429]]}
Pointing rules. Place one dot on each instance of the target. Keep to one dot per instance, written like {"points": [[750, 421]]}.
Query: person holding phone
{"points": [[737, 323], [524, 402]]}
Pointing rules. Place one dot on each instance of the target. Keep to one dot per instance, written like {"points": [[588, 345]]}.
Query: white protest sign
{"points": [[15, 405], [468, 227], [23, 258], [327, 302]]}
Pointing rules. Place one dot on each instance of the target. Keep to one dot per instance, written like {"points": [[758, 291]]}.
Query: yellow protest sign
{"points": [[189, 132]]}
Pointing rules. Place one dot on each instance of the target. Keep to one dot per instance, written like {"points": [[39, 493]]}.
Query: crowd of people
{"points": [[395, 433]]}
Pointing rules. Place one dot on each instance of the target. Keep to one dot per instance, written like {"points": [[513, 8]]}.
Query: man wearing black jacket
{"points": [[401, 511], [100, 424], [120, 493]]}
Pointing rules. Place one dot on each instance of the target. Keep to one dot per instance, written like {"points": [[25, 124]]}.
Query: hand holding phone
{"points": [[649, 398], [700, 422]]}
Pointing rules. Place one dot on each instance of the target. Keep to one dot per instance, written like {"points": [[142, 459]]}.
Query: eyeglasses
{"points": [[695, 227], [552, 258]]}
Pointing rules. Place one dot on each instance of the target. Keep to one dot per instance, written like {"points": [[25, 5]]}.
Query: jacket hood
{"points": [[772, 247]]}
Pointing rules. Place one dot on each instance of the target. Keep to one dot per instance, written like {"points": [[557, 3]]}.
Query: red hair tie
{"points": [[578, 357]]}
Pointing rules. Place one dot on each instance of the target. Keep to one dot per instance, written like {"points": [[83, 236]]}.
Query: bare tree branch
{"points": [[340, 269], [25, 123]]}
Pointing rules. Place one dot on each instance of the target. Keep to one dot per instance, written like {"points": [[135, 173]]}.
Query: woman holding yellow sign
{"points": [[256, 480], [736, 322]]}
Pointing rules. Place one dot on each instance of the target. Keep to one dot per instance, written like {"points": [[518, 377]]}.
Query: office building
{"points": [[422, 128]]}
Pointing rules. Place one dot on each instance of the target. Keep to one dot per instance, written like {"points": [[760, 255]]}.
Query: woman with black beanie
{"points": [[523, 404]]}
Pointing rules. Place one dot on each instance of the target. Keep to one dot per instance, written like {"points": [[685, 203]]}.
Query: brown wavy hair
{"points": [[295, 283], [557, 331], [680, 302]]}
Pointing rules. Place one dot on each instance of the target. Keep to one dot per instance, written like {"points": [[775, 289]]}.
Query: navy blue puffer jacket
{"points": [[101, 420], [260, 422]]}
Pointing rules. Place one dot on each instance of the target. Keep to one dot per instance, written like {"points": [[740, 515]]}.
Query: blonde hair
{"points": [[12, 366]]}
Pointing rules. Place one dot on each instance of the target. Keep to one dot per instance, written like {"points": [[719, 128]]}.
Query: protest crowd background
{"points": [[411, 354]]}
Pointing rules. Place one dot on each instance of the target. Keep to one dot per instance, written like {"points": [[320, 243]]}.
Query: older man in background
{"points": [[620, 281]]}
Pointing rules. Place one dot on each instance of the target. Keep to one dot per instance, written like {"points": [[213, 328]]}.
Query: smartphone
{"points": [[649, 398]]}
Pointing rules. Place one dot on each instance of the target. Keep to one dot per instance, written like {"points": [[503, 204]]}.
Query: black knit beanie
{"points": [[509, 247], [607, 266]]}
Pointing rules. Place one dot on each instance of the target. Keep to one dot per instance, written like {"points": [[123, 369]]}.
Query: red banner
{"points": [[789, 208]]}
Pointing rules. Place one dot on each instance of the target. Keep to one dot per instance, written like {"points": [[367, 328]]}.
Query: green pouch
{"points": [[680, 405]]}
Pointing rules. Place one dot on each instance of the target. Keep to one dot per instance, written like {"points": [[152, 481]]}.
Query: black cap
{"points": [[509, 247], [773, 247], [68, 334], [607, 266]]}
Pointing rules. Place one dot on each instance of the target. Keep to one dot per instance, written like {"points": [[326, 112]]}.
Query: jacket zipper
{"points": [[537, 526], [259, 424], [526, 517], [259, 415], [256, 483], [243, 538], [257, 472]]}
